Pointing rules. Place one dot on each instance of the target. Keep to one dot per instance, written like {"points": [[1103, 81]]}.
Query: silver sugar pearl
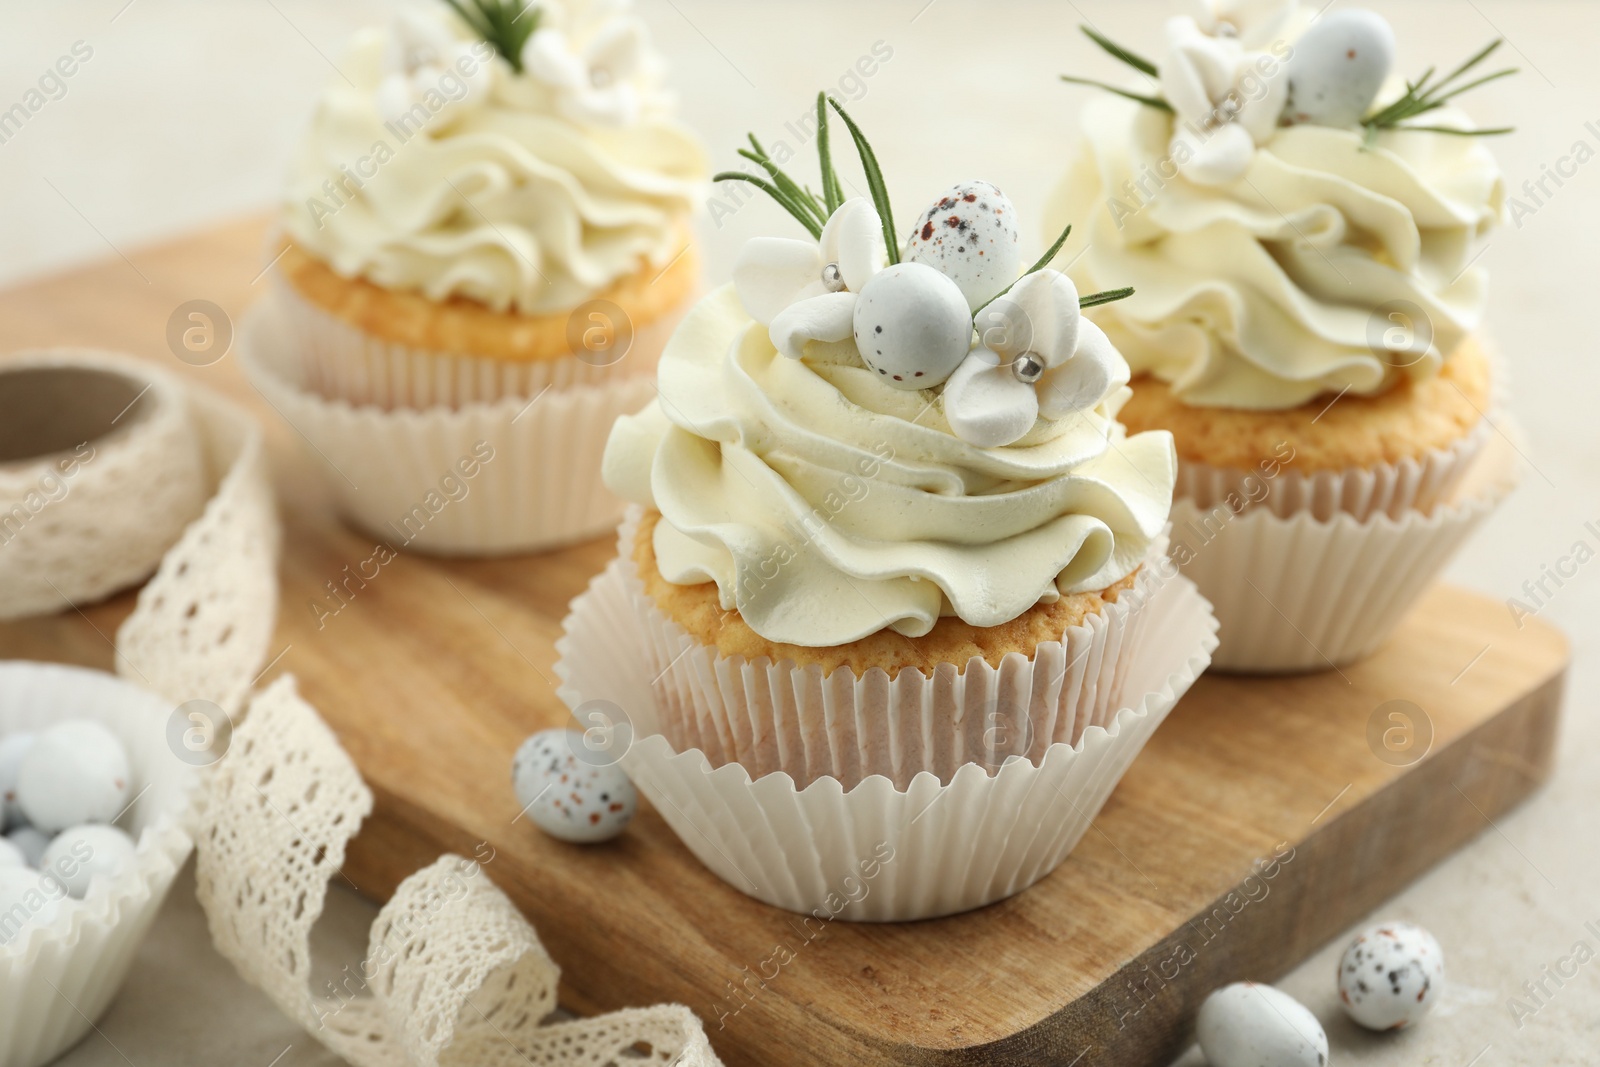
{"points": [[1028, 368], [833, 278]]}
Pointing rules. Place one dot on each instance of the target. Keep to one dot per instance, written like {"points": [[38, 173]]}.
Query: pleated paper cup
{"points": [[57, 977], [783, 717], [1297, 593], [1393, 489], [340, 361], [875, 852], [517, 475]]}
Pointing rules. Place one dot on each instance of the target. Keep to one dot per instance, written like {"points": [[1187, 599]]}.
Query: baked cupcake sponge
{"points": [[468, 327], [698, 609], [1328, 434]]}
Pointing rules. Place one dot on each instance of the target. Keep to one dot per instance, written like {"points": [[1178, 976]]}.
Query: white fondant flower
{"points": [[600, 68], [430, 75], [1254, 22], [1226, 100], [779, 279], [1033, 332]]}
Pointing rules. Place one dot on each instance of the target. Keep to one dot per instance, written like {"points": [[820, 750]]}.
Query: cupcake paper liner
{"points": [[56, 978], [783, 717], [1296, 593], [874, 852], [403, 476], [341, 362], [1392, 489]]}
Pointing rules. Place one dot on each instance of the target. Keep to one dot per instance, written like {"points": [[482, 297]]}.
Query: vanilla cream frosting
{"points": [[827, 505], [1267, 291], [431, 166]]}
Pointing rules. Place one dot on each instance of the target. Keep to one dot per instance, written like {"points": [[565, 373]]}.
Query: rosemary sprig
{"points": [[804, 198], [1116, 51], [1092, 300], [505, 24], [1148, 101], [1420, 98], [832, 194], [875, 184], [1124, 55], [809, 209], [1105, 297], [804, 215]]}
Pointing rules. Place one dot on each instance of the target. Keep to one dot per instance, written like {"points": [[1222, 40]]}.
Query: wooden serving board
{"points": [[436, 671]]}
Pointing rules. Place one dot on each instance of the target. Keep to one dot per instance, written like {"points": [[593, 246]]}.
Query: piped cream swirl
{"points": [[826, 505], [1265, 292], [499, 197]]}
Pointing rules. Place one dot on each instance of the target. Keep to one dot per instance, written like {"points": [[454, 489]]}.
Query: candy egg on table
{"points": [[76, 772], [27, 897], [970, 236], [1248, 1024], [30, 842], [1338, 66], [83, 853], [570, 792], [13, 747], [1391, 975], [11, 855], [911, 325]]}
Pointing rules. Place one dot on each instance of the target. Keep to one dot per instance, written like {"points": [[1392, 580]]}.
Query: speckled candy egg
{"points": [[1248, 1024], [912, 326], [970, 236], [1390, 976], [84, 853], [1337, 68], [11, 855], [76, 772], [30, 842], [12, 748], [570, 797]]}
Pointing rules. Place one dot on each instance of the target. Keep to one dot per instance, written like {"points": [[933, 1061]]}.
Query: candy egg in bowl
{"points": [[70, 926]]}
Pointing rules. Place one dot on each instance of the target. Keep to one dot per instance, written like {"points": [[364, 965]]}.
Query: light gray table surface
{"points": [[186, 114]]}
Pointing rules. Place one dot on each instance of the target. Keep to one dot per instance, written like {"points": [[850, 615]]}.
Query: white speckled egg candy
{"points": [[30, 842], [1248, 1024], [1337, 68], [12, 748], [970, 236], [912, 326], [11, 855], [570, 797], [76, 772], [1390, 976], [84, 853]]}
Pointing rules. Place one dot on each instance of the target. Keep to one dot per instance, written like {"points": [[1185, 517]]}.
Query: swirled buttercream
{"points": [[1292, 280], [431, 166], [827, 505]]}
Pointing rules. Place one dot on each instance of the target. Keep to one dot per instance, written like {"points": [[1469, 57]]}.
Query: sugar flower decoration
{"points": [[853, 295], [1227, 99], [430, 72], [1037, 357], [1255, 23], [805, 291], [599, 65]]}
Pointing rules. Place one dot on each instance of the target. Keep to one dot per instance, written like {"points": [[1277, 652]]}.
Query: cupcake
{"points": [[888, 535], [1302, 230], [490, 209]]}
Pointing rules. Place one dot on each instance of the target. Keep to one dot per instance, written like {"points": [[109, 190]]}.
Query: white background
{"points": [[187, 113]]}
